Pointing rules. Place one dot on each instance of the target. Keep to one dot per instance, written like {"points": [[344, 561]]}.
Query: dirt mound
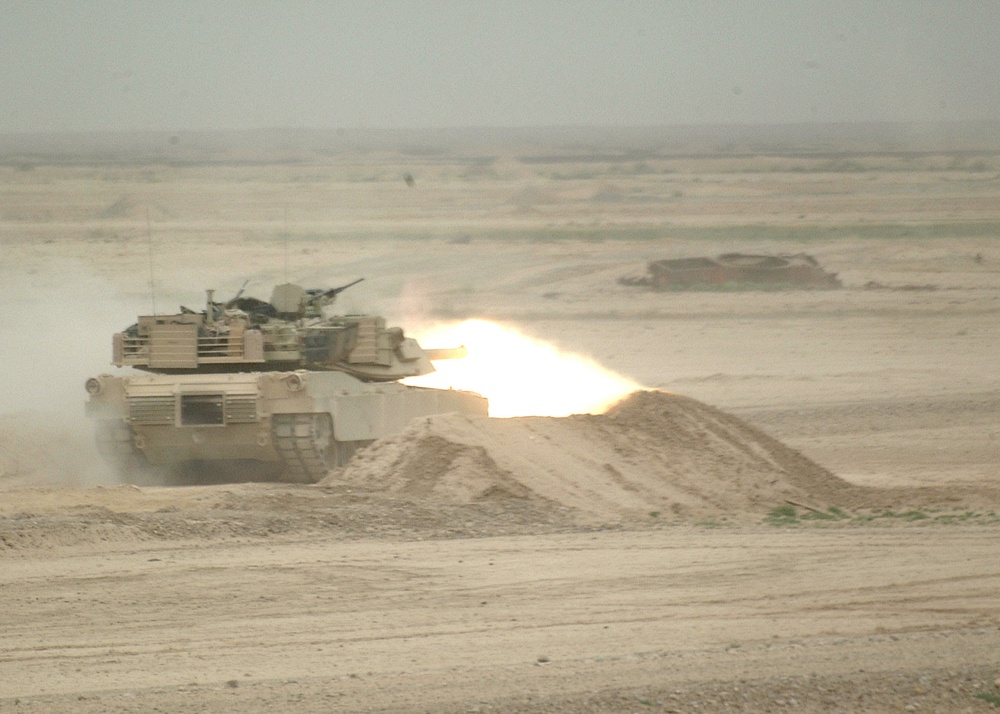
{"points": [[652, 452]]}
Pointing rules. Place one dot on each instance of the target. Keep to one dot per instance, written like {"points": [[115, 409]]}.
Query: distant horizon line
{"points": [[507, 127]]}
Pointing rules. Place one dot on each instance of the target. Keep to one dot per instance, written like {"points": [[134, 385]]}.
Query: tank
{"points": [[277, 388]]}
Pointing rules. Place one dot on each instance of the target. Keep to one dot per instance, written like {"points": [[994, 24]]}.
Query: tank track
{"points": [[305, 443]]}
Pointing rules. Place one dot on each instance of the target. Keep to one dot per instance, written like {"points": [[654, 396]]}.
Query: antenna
{"points": [[152, 277], [286, 242]]}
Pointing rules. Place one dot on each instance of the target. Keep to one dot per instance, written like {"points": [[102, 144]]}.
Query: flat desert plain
{"points": [[799, 510]]}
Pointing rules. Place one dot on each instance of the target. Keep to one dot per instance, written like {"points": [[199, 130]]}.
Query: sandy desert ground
{"points": [[803, 516]]}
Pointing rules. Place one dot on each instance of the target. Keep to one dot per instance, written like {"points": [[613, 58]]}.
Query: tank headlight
{"points": [[294, 382], [93, 386]]}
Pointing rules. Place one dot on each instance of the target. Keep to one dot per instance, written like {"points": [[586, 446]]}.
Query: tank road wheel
{"points": [[306, 445]]}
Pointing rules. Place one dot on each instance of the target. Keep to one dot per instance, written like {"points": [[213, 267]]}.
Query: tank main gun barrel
{"points": [[446, 352]]}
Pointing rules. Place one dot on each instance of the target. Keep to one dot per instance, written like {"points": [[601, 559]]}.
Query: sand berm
{"points": [[652, 453]]}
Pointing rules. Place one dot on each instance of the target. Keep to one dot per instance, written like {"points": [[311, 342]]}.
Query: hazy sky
{"points": [[227, 64]]}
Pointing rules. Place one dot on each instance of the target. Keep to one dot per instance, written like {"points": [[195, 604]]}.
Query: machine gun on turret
{"points": [[293, 302], [325, 297]]}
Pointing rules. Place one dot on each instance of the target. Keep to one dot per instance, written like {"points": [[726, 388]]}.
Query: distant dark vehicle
{"points": [[736, 270]]}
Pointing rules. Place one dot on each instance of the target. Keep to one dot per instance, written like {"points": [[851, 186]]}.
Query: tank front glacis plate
{"points": [[235, 442]]}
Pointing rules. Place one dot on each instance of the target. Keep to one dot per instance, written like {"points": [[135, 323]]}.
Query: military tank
{"points": [[280, 386]]}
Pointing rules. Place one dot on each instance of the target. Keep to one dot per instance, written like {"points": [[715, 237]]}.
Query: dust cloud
{"points": [[55, 333]]}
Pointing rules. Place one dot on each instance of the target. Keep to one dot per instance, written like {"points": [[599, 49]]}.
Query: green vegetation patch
{"points": [[991, 698], [788, 514], [784, 515]]}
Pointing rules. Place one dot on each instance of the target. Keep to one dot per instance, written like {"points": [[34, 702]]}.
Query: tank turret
{"points": [[290, 331]]}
